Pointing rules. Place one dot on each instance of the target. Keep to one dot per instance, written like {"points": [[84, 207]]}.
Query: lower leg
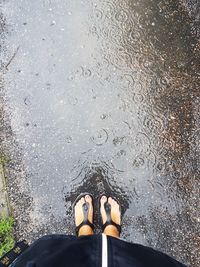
{"points": [[111, 231], [85, 230]]}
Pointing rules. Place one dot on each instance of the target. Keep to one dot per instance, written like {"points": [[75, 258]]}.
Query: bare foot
{"points": [[115, 216], [79, 216]]}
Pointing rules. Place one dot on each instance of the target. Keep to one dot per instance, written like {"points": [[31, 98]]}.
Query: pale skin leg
{"points": [[86, 229], [115, 216]]}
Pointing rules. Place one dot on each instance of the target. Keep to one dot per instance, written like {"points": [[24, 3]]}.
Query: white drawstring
{"points": [[104, 251]]}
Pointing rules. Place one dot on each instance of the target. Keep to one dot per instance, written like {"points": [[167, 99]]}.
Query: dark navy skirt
{"points": [[70, 251]]}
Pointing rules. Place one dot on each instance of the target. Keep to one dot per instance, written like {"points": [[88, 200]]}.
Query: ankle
{"points": [[85, 230], [111, 231]]}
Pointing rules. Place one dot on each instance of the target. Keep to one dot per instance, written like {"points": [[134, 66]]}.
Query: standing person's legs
{"points": [[110, 213]]}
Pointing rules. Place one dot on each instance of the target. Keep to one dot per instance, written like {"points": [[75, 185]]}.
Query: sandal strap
{"points": [[110, 222], [88, 223]]}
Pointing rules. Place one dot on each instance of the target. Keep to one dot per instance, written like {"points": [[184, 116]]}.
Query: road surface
{"points": [[102, 96]]}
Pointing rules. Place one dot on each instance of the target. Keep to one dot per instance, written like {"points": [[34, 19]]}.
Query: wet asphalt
{"points": [[103, 97]]}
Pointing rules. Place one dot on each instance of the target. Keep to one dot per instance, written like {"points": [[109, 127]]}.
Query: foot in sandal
{"points": [[84, 215], [111, 216]]}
